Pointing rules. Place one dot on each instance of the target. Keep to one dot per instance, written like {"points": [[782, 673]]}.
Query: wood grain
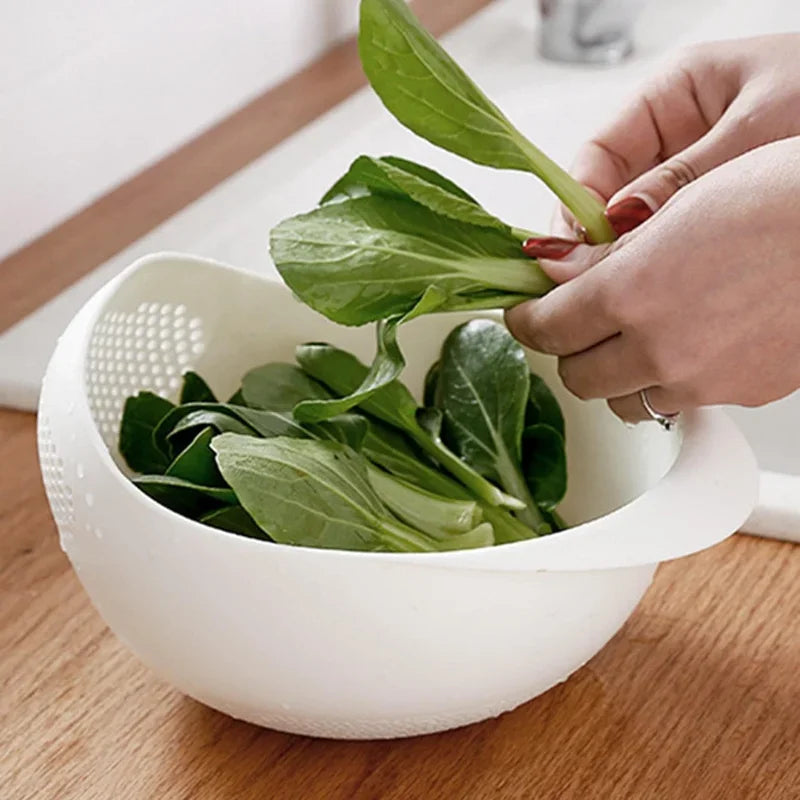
{"points": [[49, 264], [696, 698]]}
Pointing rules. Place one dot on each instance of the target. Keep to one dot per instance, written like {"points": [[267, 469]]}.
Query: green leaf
{"points": [[368, 176], [173, 428], [431, 385], [311, 493], [556, 521], [279, 387], [235, 519], [483, 390], [429, 93], [374, 257], [544, 463], [184, 497], [480, 536], [390, 449], [349, 429], [192, 419], [434, 514], [386, 366], [429, 424], [342, 372], [395, 177], [543, 408], [237, 399], [140, 417], [508, 528], [196, 463], [195, 389]]}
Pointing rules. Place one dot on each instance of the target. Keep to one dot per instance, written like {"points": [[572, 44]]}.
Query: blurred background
{"points": [[92, 91]]}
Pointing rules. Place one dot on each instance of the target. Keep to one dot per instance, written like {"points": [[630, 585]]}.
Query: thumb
{"points": [[564, 259], [640, 199]]}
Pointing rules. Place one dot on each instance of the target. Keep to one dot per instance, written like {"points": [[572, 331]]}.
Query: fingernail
{"points": [[628, 214], [553, 247]]}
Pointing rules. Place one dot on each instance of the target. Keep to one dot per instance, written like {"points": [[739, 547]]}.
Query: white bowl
{"points": [[340, 644]]}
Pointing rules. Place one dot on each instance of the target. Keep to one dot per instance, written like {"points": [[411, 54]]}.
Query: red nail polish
{"points": [[549, 247], [628, 214]]}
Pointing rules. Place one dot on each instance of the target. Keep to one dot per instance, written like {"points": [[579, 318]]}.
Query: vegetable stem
{"points": [[510, 275], [507, 528], [403, 538], [523, 234], [482, 488], [432, 514], [588, 210], [512, 480]]}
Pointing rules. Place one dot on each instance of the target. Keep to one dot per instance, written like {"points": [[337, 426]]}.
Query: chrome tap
{"points": [[587, 31]]}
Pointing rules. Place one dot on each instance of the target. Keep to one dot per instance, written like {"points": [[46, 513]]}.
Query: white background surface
{"points": [[92, 91], [557, 106]]}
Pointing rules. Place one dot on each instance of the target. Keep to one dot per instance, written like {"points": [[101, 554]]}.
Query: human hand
{"points": [[700, 305], [714, 103]]}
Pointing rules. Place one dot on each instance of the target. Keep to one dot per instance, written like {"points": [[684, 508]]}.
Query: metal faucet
{"points": [[587, 31]]}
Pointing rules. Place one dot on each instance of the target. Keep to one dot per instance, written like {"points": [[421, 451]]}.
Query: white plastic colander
{"points": [[340, 644]]}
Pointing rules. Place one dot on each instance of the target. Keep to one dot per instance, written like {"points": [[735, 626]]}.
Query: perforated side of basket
{"points": [[147, 348], [59, 492]]}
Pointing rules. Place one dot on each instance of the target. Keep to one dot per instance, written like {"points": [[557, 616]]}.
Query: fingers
{"points": [[662, 121], [665, 138], [572, 317], [563, 260], [657, 185], [630, 408], [613, 368]]}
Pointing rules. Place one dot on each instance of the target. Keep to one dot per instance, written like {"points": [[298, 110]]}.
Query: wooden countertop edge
{"points": [[42, 269]]}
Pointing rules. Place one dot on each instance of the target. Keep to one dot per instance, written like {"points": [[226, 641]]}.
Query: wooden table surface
{"points": [[697, 698]]}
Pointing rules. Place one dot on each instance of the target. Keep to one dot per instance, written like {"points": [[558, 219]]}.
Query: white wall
{"points": [[91, 91]]}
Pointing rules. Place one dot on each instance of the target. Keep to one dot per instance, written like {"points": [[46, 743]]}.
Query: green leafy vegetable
{"points": [[429, 93], [185, 497], [389, 448], [196, 463], [386, 366], [375, 257], [396, 177], [544, 464], [235, 519], [429, 512], [179, 429], [279, 387], [312, 493], [393, 403], [140, 417], [480, 536], [224, 418], [393, 239], [483, 387], [431, 384], [368, 175], [392, 450], [195, 390], [543, 408]]}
